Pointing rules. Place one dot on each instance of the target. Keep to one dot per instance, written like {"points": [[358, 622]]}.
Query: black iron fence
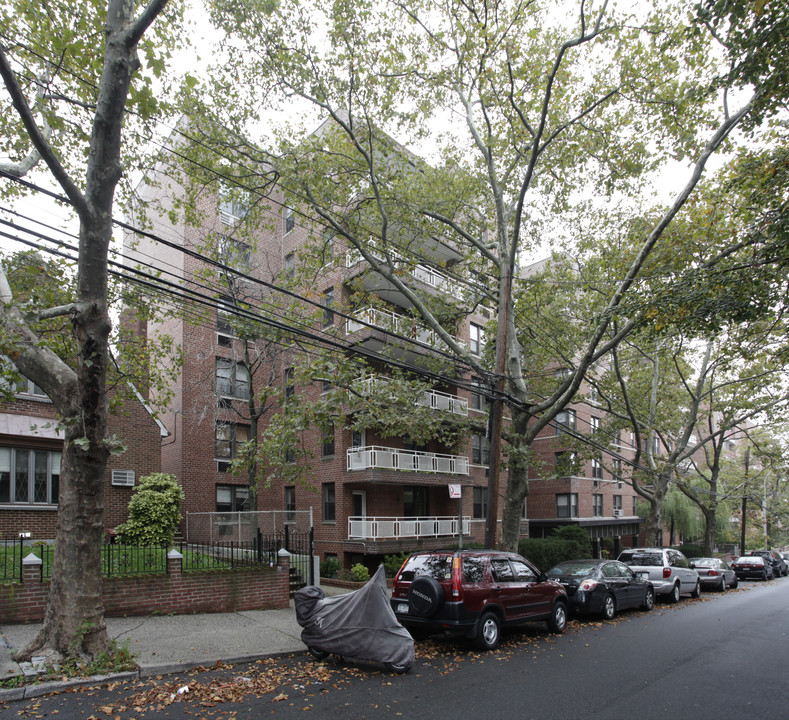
{"points": [[124, 559]]}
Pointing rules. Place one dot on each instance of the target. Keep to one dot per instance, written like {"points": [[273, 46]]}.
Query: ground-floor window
{"points": [[232, 498], [29, 477], [567, 505]]}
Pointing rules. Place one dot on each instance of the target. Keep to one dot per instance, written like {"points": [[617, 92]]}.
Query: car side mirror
{"points": [[542, 577]]}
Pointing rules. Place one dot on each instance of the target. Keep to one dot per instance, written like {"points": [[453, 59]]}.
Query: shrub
{"points": [[154, 511], [392, 563], [329, 567], [360, 573], [567, 543]]}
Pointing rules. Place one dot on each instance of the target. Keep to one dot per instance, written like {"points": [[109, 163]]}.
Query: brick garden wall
{"points": [[176, 592]]}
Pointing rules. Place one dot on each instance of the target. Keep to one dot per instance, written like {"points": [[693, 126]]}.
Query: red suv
{"points": [[474, 593]]}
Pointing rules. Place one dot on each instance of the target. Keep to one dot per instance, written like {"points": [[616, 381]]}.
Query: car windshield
{"points": [[436, 566], [759, 553], [753, 560], [642, 558], [572, 569], [704, 562]]}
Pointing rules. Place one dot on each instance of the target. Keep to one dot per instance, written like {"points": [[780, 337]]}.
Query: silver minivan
{"points": [[667, 569]]}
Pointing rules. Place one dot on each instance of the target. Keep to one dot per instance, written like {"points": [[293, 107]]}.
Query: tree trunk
{"points": [[654, 525]]}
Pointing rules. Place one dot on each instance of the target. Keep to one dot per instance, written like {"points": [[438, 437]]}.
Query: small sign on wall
{"points": [[455, 492]]}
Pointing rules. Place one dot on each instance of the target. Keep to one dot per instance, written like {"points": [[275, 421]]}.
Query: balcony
{"points": [[386, 458], [422, 273], [433, 399], [395, 323], [396, 528]]}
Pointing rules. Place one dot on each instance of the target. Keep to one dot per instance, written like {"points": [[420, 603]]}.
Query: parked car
{"points": [[667, 569], [603, 587], [714, 573], [474, 593], [780, 568], [752, 566]]}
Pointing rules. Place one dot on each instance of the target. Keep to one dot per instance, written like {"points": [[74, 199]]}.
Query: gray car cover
{"points": [[358, 624]]}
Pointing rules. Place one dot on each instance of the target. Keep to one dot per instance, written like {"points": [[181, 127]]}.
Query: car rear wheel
{"points": [[696, 592], [674, 596], [488, 632], [649, 599], [609, 607], [557, 622], [722, 588]]}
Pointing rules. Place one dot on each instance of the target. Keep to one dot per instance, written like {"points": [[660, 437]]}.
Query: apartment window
{"points": [[288, 382], [289, 266], [478, 399], [229, 439], [29, 477], [232, 498], [617, 504], [565, 421], [594, 424], [290, 504], [480, 507], [290, 220], [567, 505], [480, 450], [328, 502], [476, 339], [597, 505], [225, 309], [566, 463], [231, 208], [327, 246], [326, 386], [232, 379], [597, 469], [328, 302], [617, 469], [416, 501], [28, 387], [234, 253], [327, 442]]}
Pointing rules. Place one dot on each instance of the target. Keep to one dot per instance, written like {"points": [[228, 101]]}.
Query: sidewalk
{"points": [[163, 644]]}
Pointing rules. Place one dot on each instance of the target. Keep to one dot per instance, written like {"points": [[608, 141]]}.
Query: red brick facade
{"points": [[30, 420]]}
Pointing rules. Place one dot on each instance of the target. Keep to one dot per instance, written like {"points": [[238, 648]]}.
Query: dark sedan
{"points": [[602, 587], [752, 566], [714, 573], [775, 559]]}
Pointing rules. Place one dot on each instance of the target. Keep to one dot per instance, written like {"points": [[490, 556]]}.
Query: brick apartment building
{"points": [[31, 448], [369, 496]]}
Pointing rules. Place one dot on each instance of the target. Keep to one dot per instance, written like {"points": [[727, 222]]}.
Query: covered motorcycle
{"points": [[358, 624]]}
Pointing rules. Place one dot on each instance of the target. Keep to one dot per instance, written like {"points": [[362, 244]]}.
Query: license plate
{"points": [[402, 608]]}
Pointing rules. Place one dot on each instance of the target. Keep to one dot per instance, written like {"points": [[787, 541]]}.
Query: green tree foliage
{"points": [[154, 511]]}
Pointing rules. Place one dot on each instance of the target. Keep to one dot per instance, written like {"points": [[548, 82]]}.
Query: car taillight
{"points": [[457, 591], [587, 585], [713, 572], [666, 572]]}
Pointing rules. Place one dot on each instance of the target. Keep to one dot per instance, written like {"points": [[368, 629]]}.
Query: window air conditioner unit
{"points": [[123, 478], [617, 513]]}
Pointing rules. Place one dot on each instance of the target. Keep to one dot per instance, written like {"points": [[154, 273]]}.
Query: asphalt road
{"points": [[723, 656]]}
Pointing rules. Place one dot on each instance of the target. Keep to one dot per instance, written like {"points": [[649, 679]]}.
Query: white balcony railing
{"points": [[423, 273], [388, 528], [395, 323], [430, 398], [386, 458]]}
